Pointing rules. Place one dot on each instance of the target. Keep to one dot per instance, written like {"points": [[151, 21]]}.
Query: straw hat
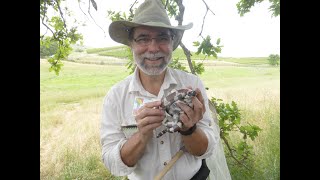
{"points": [[149, 13]]}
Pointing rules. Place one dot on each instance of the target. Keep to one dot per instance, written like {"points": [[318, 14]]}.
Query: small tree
{"points": [[274, 59]]}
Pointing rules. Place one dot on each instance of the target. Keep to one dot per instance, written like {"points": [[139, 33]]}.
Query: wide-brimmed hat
{"points": [[149, 13]]}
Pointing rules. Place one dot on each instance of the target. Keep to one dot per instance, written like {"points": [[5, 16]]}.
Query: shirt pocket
{"points": [[129, 125]]}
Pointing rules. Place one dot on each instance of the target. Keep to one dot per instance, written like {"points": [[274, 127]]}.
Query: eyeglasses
{"points": [[161, 40]]}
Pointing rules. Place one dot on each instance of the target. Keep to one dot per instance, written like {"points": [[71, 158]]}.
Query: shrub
{"points": [[274, 59]]}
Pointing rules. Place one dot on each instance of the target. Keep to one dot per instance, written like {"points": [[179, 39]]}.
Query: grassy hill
{"points": [[123, 52]]}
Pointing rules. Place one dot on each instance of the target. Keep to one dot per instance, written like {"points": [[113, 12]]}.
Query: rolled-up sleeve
{"points": [[206, 124], [212, 135], [112, 138]]}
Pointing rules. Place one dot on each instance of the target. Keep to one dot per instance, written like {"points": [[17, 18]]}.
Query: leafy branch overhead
{"points": [[61, 34], [64, 36], [207, 48], [244, 6]]}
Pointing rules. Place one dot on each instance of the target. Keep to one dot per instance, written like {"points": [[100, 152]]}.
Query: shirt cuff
{"points": [[119, 168], [213, 140]]}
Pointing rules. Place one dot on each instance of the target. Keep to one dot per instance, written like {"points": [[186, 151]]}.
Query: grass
{"points": [[71, 104], [69, 119]]}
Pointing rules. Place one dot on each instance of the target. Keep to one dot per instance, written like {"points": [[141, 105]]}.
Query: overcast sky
{"points": [[256, 34]]}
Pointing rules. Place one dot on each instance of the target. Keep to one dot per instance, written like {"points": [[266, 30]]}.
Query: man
{"points": [[140, 154]]}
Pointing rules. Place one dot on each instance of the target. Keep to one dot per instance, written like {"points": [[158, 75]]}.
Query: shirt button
{"points": [[165, 163], [161, 142]]}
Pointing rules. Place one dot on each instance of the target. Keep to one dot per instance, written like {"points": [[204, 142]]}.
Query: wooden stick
{"points": [[169, 165]]}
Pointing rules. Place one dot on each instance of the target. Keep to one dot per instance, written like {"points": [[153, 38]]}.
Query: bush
{"points": [[274, 59]]}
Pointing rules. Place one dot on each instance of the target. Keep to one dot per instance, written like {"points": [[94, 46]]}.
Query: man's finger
{"points": [[200, 98], [151, 120], [152, 104], [187, 110]]}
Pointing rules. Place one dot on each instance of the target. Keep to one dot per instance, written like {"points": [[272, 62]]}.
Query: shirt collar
{"points": [[168, 79], [135, 83]]}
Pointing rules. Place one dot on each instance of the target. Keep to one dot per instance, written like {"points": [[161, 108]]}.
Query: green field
{"points": [[70, 109], [124, 52]]}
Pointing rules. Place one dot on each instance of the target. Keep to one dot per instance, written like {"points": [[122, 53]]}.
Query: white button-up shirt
{"points": [[118, 112]]}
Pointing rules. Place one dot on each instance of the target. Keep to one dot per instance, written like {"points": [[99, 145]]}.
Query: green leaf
{"points": [[196, 43], [218, 41]]}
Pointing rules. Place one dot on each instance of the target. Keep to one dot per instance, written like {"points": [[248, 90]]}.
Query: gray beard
{"points": [[152, 70]]}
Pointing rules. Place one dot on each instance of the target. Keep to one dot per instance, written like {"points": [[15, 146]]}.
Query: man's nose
{"points": [[153, 46]]}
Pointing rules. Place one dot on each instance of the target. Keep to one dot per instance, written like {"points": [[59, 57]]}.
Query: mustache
{"points": [[153, 55]]}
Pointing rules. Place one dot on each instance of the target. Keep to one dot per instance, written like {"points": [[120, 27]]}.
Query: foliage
{"points": [[206, 47], [229, 117], [177, 65], [274, 59], [47, 47], [61, 34], [172, 8], [244, 6], [130, 65], [118, 16], [198, 67]]}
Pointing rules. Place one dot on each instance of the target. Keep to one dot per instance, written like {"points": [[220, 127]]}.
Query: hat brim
{"points": [[119, 31]]}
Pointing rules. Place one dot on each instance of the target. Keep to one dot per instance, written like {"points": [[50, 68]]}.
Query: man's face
{"points": [[152, 49]]}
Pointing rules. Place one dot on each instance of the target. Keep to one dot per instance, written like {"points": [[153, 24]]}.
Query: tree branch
{"points": [[165, 7], [42, 20], [231, 153], [188, 54], [186, 51], [82, 10], [207, 7], [131, 11], [200, 34], [179, 17], [61, 14], [41, 37], [94, 20], [204, 17]]}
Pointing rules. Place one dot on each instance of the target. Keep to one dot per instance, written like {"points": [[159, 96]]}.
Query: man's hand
{"points": [[148, 118], [196, 143], [192, 115]]}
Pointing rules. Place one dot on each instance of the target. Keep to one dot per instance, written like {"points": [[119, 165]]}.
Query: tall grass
{"points": [[70, 108], [257, 93]]}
